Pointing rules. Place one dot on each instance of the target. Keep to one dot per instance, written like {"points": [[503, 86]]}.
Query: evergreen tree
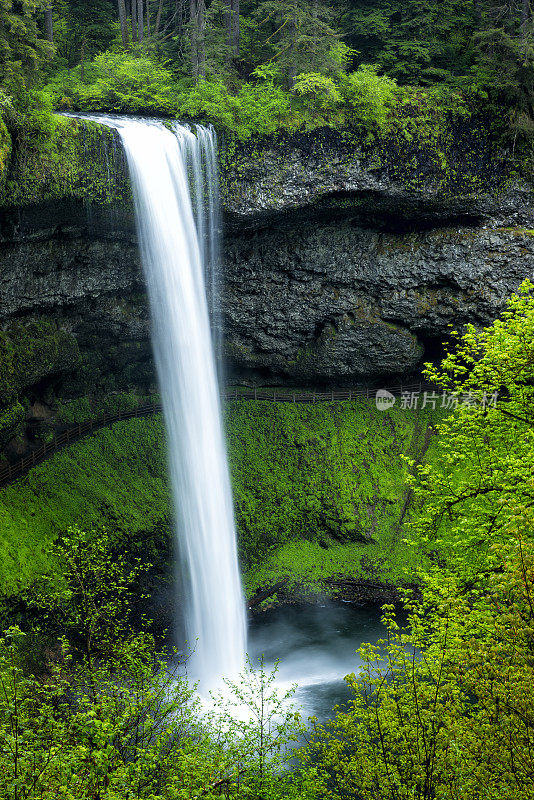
{"points": [[23, 49], [298, 36]]}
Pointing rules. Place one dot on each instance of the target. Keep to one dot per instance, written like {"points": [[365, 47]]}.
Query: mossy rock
{"points": [[11, 422], [71, 158], [29, 353]]}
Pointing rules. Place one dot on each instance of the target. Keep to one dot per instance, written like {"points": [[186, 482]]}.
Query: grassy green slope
{"points": [[319, 490], [116, 477]]}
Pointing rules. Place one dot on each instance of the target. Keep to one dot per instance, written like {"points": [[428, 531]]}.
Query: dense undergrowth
{"points": [[116, 477], [319, 491]]}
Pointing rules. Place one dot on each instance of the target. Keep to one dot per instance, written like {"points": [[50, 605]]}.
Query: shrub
{"points": [[368, 98], [320, 97], [119, 82]]}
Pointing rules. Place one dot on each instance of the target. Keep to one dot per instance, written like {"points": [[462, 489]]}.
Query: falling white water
{"points": [[176, 252]]}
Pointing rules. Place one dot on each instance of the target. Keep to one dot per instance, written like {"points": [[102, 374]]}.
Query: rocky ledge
{"points": [[341, 265]]}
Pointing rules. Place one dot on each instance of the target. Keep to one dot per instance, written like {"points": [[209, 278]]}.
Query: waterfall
{"points": [[173, 176]]}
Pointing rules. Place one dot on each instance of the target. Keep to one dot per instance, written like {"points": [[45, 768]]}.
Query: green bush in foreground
{"points": [[111, 717], [444, 709]]}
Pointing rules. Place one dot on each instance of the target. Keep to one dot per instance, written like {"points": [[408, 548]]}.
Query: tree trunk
{"points": [[140, 25], [201, 15], [197, 10], [292, 68], [194, 37], [49, 23], [525, 28], [148, 19], [235, 27], [82, 60], [124, 23], [158, 18], [134, 20], [228, 26]]}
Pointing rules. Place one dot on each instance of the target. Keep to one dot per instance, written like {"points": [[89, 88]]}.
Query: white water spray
{"points": [[176, 252]]}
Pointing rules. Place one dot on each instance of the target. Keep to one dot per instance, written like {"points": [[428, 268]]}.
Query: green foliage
{"points": [[320, 96], [81, 30], [258, 110], [117, 477], [443, 709], [123, 82], [368, 98], [417, 41], [22, 49], [484, 472], [113, 717], [88, 604], [297, 35]]}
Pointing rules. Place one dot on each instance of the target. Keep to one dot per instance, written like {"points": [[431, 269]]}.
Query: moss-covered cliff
{"points": [[430, 164], [62, 158], [319, 491], [5, 153]]}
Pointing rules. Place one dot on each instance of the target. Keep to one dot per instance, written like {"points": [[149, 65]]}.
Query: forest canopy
{"points": [[303, 62]]}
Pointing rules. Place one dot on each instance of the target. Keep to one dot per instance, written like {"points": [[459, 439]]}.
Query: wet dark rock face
{"points": [[334, 302], [337, 270]]}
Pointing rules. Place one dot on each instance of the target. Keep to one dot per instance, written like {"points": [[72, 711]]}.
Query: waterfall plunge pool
{"points": [[313, 647]]}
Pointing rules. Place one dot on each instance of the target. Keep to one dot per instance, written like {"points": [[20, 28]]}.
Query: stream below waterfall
{"points": [[315, 646]]}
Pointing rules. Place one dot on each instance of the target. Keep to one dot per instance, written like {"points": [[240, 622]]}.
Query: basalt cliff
{"points": [[341, 264]]}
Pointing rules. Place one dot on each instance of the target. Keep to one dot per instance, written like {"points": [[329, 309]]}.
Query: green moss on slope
{"points": [[116, 477], [320, 490]]}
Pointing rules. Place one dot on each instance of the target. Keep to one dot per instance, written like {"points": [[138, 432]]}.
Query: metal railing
{"points": [[12, 472]]}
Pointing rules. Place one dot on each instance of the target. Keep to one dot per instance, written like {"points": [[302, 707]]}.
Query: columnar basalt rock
{"points": [[337, 268]]}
